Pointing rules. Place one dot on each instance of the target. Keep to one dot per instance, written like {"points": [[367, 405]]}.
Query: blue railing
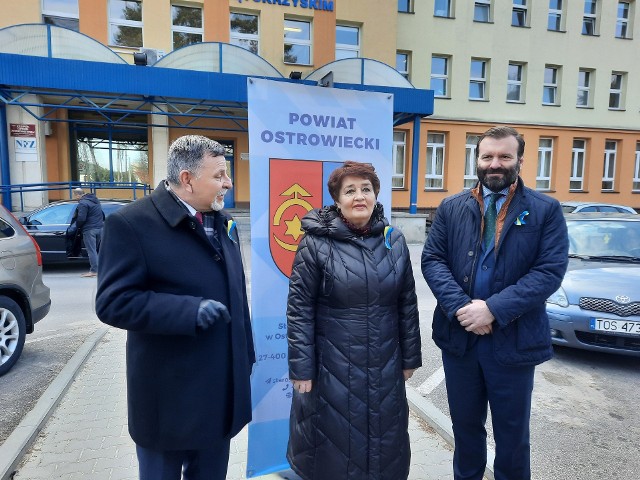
{"points": [[93, 187]]}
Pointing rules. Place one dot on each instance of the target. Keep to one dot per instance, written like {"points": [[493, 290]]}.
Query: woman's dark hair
{"points": [[354, 169]]}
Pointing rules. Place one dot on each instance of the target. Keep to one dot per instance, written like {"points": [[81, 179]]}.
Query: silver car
{"points": [[598, 305], [24, 299]]}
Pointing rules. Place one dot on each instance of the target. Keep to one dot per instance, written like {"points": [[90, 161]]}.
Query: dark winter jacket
{"points": [[186, 389], [89, 214], [352, 328], [531, 257]]}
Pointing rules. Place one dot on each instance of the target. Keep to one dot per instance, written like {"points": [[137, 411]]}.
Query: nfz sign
{"points": [[26, 145]]}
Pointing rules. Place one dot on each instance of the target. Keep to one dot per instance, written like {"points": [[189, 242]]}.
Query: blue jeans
{"points": [[91, 240]]}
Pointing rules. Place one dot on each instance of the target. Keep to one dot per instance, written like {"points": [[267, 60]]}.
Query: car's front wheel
{"points": [[12, 333]]}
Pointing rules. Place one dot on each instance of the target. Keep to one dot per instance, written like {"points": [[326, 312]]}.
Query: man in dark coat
{"points": [[177, 285], [89, 220], [493, 256]]}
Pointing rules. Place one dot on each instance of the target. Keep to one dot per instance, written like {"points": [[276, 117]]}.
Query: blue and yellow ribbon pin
{"points": [[387, 236], [231, 226], [520, 220]]}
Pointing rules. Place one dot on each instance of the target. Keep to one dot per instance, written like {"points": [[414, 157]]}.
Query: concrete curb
{"points": [[437, 420], [12, 450]]}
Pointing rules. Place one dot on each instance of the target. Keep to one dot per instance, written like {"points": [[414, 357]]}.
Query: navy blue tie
{"points": [[490, 220]]}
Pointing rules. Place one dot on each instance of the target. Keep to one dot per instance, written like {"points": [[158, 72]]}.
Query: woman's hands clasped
{"points": [[302, 386]]}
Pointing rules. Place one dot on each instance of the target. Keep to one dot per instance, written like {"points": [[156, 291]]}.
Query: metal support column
{"points": [[4, 157], [415, 163]]}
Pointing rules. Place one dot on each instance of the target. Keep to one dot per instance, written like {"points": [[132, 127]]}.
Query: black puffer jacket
{"points": [[353, 327]]}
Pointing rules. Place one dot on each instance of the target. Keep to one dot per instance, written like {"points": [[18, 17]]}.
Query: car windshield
{"points": [[53, 215], [604, 238]]}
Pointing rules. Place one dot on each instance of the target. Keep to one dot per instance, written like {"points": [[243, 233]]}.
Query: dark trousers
{"points": [[474, 380], [193, 464]]}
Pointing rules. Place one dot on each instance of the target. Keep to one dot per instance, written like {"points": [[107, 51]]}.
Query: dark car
{"points": [[24, 299], [48, 225], [598, 305]]}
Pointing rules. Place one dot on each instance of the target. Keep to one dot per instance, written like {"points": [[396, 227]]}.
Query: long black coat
{"points": [[186, 389], [353, 328]]}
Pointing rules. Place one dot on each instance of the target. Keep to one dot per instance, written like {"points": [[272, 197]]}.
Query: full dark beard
{"points": [[509, 176]]}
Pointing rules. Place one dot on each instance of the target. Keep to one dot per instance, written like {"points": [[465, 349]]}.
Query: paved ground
{"points": [[86, 435]]}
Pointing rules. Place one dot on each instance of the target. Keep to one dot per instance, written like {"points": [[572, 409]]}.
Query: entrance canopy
{"points": [[56, 68]]}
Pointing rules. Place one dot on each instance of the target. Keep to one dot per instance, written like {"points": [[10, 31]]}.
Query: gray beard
{"points": [[217, 206]]}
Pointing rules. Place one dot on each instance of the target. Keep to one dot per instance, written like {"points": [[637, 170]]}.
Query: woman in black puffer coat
{"points": [[354, 338]]}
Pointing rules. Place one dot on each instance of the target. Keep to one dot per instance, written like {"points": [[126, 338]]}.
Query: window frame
{"points": [[394, 161], [408, 3], [407, 72], [557, 13], [486, 5], [554, 87], [346, 47], [65, 17], [187, 30], [545, 164], [307, 43], [470, 178], [590, 18], [609, 166], [240, 38], [432, 162], [578, 176], [624, 22], [584, 88], [519, 82], [441, 76], [635, 185], [479, 80], [449, 9], [617, 92], [522, 9], [126, 23]]}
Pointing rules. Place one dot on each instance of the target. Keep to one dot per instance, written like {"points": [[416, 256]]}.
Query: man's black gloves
{"points": [[210, 312]]}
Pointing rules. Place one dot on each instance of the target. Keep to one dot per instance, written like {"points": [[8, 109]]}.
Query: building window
{"points": [[555, 18], [622, 23], [590, 17], [550, 87], [435, 161], [478, 80], [616, 97], [545, 160], [609, 171], [125, 23], [402, 64], [442, 8], [636, 170], [515, 78], [186, 26], [297, 42], [578, 156], [440, 76], [584, 88], [470, 172], [63, 13], [519, 13], [399, 159], [244, 31], [347, 42], [482, 11], [405, 6]]}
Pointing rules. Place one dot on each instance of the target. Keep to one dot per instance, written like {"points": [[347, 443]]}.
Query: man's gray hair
{"points": [[78, 191], [187, 153]]}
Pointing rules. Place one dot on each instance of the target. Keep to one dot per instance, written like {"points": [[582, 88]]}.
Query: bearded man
{"points": [[494, 254], [171, 274]]}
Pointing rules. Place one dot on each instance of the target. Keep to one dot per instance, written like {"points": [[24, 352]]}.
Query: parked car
{"points": [[585, 207], [49, 223], [24, 299], [598, 305]]}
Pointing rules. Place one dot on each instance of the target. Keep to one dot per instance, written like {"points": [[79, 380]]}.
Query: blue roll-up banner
{"points": [[297, 135]]}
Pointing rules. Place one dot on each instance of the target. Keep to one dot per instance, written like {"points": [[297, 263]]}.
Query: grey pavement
{"points": [[78, 428]]}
